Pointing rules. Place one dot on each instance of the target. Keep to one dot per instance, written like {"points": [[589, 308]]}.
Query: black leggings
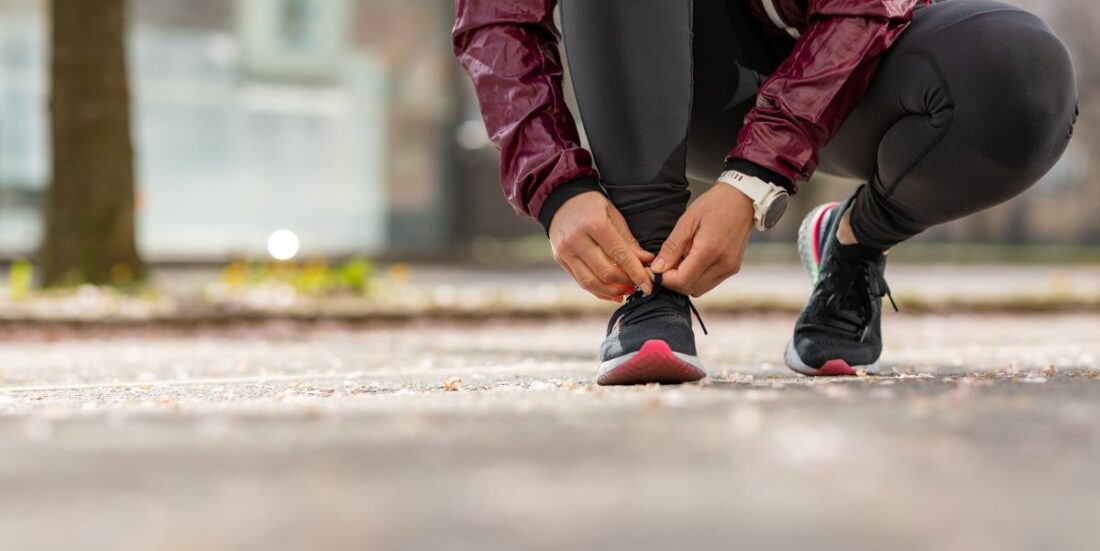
{"points": [[973, 104]]}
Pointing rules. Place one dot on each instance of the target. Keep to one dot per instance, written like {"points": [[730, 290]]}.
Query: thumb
{"points": [[676, 244]]}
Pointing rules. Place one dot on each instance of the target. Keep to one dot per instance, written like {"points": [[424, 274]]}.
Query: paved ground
{"points": [[490, 436]]}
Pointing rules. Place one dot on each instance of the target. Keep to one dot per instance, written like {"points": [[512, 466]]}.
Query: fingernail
{"points": [[658, 265]]}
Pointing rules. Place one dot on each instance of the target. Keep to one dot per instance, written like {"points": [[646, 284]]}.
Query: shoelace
{"points": [[639, 298], [853, 313]]}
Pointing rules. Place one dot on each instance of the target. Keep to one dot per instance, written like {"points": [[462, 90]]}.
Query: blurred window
{"points": [[246, 121]]}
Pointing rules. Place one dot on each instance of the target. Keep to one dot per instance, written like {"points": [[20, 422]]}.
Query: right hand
{"points": [[592, 242]]}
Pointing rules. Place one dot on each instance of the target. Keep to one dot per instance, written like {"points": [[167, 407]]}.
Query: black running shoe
{"points": [[840, 328], [650, 340]]}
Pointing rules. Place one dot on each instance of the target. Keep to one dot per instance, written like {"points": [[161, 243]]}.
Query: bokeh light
{"points": [[282, 244]]}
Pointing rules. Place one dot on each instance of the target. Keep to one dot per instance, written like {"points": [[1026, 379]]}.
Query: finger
{"points": [[563, 262], [618, 250], [575, 267], [608, 277], [685, 276], [643, 256], [676, 244], [621, 226], [710, 278], [582, 272], [606, 270], [590, 283]]}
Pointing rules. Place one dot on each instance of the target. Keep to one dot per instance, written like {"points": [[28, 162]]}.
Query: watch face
{"points": [[775, 210]]}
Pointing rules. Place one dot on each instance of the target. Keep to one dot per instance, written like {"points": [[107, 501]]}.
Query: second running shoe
{"points": [[840, 328]]}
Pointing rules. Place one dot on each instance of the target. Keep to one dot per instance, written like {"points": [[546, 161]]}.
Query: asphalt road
{"points": [[491, 436]]}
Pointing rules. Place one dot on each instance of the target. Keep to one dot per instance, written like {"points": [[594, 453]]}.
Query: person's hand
{"points": [[592, 242], [708, 242]]}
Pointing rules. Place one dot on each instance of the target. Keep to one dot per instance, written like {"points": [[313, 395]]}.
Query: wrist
{"points": [[563, 193], [746, 166], [739, 201], [768, 200]]}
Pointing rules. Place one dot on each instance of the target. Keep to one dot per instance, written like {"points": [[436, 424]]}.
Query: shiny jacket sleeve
{"points": [[509, 49], [802, 104]]}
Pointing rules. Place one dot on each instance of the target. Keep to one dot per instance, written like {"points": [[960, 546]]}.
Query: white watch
{"points": [[769, 201]]}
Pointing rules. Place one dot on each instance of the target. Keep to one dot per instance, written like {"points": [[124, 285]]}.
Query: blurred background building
{"points": [[348, 123]]}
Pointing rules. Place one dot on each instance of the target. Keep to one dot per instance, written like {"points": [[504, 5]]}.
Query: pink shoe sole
{"points": [[831, 368], [655, 362], [834, 368]]}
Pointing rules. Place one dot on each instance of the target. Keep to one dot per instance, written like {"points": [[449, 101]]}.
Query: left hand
{"points": [[707, 244]]}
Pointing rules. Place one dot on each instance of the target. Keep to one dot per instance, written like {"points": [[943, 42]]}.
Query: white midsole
{"points": [[793, 361]]}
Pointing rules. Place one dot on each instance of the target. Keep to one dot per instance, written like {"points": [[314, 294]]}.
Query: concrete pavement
{"points": [[490, 436]]}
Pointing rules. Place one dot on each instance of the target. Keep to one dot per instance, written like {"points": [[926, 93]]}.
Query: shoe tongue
{"points": [[666, 302], [856, 285], [854, 252]]}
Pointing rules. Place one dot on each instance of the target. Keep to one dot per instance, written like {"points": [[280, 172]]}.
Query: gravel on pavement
{"points": [[491, 435]]}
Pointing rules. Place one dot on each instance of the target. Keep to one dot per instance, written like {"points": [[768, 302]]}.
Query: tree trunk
{"points": [[89, 234]]}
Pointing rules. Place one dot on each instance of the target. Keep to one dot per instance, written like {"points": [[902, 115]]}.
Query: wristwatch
{"points": [[769, 201]]}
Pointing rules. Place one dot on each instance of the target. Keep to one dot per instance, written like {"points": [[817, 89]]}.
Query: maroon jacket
{"points": [[509, 49]]}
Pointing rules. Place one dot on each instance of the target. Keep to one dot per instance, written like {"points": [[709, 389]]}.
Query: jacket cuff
{"points": [[768, 175], [563, 193]]}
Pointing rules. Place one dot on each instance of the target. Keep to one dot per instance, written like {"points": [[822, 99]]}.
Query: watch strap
{"points": [[755, 188], [768, 175]]}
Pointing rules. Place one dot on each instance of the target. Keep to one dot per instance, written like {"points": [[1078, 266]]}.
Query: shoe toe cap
{"points": [[673, 330], [815, 349]]}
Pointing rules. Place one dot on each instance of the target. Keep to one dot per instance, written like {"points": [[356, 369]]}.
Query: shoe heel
{"points": [[809, 237]]}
